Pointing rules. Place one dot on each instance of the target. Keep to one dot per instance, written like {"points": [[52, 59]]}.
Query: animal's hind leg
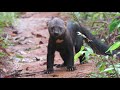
{"points": [[64, 64], [79, 44]]}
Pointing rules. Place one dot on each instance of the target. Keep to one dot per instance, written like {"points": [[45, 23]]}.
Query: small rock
{"points": [[22, 52], [27, 60], [16, 59]]}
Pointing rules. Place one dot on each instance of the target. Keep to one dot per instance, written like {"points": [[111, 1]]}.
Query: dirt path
{"points": [[30, 36]]}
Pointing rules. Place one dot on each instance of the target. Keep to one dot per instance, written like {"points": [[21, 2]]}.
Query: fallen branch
{"points": [[13, 74], [99, 22], [4, 50]]}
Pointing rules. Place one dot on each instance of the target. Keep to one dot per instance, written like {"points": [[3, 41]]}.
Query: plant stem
{"points": [[114, 69]]}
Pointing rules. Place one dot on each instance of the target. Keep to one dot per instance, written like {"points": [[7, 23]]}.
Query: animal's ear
{"points": [[50, 20], [47, 23]]}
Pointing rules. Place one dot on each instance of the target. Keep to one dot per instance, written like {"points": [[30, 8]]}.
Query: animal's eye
{"points": [[59, 28], [52, 29]]}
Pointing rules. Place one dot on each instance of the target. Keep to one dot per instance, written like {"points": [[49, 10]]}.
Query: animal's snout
{"points": [[56, 33]]}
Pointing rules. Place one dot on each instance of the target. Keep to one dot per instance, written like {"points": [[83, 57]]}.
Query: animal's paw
{"points": [[48, 71], [60, 65], [71, 68], [83, 62]]}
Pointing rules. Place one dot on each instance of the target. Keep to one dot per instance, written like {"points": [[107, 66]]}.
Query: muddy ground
{"points": [[30, 37]]}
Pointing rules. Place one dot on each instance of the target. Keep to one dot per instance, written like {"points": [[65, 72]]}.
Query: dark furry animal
{"points": [[64, 39], [94, 43]]}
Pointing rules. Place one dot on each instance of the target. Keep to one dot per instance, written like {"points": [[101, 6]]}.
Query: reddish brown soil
{"points": [[33, 26]]}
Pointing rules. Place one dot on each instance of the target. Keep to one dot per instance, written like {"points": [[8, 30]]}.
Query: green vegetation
{"points": [[6, 20], [106, 26]]}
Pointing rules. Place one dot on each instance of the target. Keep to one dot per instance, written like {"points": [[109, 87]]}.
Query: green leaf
{"points": [[19, 56], [101, 15], [79, 54], [118, 26], [114, 46], [7, 18], [2, 54], [89, 50], [82, 48], [101, 66], [118, 70], [117, 67], [113, 25], [94, 32], [108, 69], [95, 16]]}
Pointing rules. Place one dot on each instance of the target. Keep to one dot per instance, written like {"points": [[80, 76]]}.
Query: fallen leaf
{"points": [[55, 75], [40, 42], [27, 68], [37, 59], [7, 76], [38, 35], [13, 35], [4, 50], [15, 32], [33, 33], [45, 63]]}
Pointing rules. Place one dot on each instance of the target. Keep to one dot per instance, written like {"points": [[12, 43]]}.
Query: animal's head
{"points": [[56, 27]]}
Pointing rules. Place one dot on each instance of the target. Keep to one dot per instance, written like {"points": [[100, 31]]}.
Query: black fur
{"points": [[64, 38], [68, 34], [94, 43]]}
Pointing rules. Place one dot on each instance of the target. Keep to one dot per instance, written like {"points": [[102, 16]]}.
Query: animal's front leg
{"points": [[70, 61], [50, 60]]}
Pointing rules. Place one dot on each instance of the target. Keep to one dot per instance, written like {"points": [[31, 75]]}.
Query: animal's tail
{"points": [[94, 43]]}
